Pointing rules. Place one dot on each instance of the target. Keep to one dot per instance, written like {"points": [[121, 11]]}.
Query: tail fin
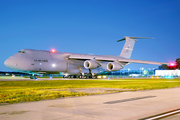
{"points": [[129, 45]]}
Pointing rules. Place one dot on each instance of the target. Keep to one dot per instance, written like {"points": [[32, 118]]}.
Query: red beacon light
{"points": [[53, 50], [172, 64]]}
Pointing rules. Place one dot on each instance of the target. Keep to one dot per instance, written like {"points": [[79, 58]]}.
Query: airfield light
{"points": [[99, 77], [104, 76]]}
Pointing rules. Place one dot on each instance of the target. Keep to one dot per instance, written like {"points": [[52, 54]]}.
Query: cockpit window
{"points": [[22, 52]]}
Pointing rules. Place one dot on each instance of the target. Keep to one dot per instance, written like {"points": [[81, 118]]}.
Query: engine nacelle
{"points": [[90, 64], [114, 66]]}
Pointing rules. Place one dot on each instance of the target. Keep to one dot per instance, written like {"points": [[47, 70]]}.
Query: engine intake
{"points": [[114, 66], [90, 64]]}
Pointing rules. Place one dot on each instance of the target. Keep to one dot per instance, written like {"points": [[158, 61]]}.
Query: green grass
{"points": [[25, 91]]}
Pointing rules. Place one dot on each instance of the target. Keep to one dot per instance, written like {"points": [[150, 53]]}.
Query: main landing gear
{"points": [[83, 75], [89, 75]]}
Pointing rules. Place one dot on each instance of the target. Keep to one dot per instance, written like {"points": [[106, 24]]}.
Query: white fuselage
{"points": [[40, 61]]}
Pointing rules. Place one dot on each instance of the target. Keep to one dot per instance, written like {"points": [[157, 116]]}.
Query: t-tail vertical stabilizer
{"points": [[129, 45]]}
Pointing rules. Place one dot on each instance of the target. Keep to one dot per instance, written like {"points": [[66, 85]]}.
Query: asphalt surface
{"points": [[39, 79], [117, 106]]}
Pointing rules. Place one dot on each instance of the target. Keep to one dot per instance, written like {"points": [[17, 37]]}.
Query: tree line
{"points": [[175, 66]]}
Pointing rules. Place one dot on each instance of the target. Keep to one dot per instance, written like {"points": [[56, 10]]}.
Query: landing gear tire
{"points": [[80, 76], [90, 75], [95, 77], [65, 76], [31, 77]]}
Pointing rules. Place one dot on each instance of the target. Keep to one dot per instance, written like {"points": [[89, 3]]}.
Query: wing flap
{"points": [[141, 61]]}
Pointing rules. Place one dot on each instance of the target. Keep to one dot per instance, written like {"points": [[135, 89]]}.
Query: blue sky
{"points": [[91, 26]]}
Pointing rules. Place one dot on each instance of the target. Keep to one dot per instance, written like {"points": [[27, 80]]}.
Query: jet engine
{"points": [[114, 66], [90, 64]]}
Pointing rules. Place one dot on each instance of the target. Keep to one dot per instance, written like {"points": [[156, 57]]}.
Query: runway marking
{"points": [[163, 115], [127, 100]]}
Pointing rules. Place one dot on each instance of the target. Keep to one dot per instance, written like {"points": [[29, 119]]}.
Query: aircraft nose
{"points": [[7, 63], [16, 63]]}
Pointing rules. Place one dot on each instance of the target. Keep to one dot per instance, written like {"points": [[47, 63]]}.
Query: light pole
{"points": [[128, 71], [141, 70]]}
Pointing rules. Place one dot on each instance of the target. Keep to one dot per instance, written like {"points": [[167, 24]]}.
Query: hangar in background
{"points": [[167, 72]]}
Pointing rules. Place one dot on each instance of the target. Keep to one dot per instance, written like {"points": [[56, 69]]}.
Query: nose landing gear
{"points": [[32, 76]]}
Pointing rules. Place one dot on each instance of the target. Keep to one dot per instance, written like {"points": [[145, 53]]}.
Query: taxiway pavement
{"points": [[117, 106]]}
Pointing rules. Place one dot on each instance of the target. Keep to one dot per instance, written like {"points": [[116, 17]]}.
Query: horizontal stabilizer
{"points": [[135, 38]]}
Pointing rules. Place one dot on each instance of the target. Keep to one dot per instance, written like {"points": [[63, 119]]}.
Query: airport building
{"points": [[167, 72]]}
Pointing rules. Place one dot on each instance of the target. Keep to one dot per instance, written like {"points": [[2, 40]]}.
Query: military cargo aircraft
{"points": [[37, 62]]}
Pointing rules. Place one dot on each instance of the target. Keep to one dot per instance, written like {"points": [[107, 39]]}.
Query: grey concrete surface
{"points": [[132, 106]]}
